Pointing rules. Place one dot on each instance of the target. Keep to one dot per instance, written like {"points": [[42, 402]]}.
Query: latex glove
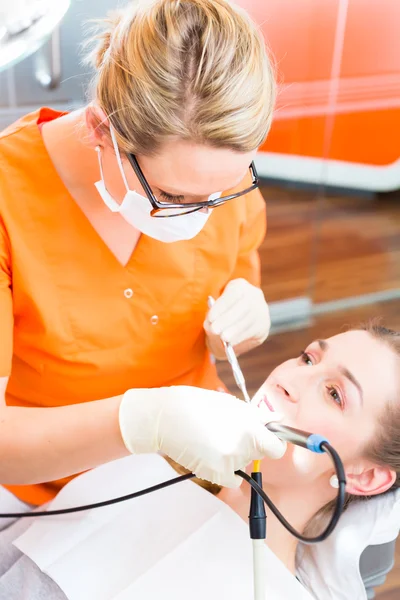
{"points": [[239, 316], [210, 433]]}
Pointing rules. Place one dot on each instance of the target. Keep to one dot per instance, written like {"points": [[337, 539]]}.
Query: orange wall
{"points": [[365, 120]]}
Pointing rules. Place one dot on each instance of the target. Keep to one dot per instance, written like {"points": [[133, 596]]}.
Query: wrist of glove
{"points": [[212, 434], [239, 316]]}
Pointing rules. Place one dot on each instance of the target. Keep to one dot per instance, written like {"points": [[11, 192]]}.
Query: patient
{"points": [[346, 388]]}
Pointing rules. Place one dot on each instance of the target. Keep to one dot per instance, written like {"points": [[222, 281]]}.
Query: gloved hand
{"points": [[210, 433], [239, 316]]}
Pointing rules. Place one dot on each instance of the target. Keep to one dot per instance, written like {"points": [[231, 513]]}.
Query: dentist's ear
{"points": [[369, 479], [97, 124]]}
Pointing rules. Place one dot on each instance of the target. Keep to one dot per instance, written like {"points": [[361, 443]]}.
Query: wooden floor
{"points": [[329, 246], [257, 364]]}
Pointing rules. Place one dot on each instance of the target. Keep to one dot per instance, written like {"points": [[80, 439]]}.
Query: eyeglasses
{"points": [[165, 209]]}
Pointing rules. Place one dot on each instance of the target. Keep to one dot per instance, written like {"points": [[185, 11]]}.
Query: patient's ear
{"points": [[369, 479]]}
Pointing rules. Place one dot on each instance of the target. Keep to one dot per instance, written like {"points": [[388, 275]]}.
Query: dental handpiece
{"points": [[233, 361], [310, 441]]}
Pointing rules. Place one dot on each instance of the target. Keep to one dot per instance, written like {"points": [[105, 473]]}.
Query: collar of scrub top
{"points": [[195, 206]]}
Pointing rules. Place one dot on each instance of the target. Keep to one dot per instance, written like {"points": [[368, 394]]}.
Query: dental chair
{"points": [[375, 563], [152, 546]]}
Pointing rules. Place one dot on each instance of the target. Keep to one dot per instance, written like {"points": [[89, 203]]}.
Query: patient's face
{"points": [[336, 388]]}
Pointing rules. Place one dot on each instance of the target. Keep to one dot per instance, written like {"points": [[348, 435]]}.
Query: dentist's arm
{"points": [[44, 444], [210, 433]]}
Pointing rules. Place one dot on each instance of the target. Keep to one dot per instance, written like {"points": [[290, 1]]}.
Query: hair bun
{"points": [[182, 69], [101, 40]]}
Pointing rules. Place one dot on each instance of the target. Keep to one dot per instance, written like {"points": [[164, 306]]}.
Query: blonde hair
{"points": [[186, 69]]}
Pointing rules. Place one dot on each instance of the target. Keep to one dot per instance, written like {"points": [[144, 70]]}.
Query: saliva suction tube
{"points": [[314, 443], [257, 517]]}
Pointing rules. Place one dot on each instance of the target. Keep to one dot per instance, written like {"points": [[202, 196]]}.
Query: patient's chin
{"points": [[303, 461]]}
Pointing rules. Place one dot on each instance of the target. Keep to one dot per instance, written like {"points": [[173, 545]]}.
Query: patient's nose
{"points": [[288, 392]]}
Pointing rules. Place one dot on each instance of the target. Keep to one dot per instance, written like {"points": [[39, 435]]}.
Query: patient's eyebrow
{"points": [[323, 344], [354, 381]]}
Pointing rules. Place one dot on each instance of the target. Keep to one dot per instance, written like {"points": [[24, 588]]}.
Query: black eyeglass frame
{"points": [[159, 206]]}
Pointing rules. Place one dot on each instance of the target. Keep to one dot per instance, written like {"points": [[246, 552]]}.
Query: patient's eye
{"points": [[306, 358], [335, 395]]}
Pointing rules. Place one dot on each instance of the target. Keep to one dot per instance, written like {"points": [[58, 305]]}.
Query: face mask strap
{"points": [[117, 154], [107, 198], [98, 150]]}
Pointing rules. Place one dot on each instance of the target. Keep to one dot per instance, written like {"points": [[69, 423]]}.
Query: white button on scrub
{"points": [[154, 320], [128, 293]]}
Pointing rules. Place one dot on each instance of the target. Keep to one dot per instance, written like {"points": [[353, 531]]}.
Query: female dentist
{"points": [[114, 231]]}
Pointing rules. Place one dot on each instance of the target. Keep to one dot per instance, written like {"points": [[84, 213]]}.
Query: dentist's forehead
{"points": [[189, 169]]}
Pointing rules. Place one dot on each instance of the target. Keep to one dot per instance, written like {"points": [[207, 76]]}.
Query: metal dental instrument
{"points": [[233, 361]]}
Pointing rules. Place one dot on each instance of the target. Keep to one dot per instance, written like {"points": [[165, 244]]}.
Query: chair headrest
{"points": [[331, 569]]}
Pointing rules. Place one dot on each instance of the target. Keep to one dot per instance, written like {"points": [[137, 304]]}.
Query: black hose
{"points": [[327, 531], [65, 511], [340, 500]]}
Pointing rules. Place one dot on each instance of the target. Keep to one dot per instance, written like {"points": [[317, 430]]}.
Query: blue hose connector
{"points": [[315, 441]]}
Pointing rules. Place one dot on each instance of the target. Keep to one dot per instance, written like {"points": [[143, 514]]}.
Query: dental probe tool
{"points": [[233, 361]]}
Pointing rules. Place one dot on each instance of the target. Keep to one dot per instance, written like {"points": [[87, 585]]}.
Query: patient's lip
{"points": [[264, 400]]}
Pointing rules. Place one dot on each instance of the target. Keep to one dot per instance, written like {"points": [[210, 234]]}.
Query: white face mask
{"points": [[135, 209]]}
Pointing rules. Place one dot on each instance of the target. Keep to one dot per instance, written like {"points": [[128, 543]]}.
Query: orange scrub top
{"points": [[75, 325]]}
